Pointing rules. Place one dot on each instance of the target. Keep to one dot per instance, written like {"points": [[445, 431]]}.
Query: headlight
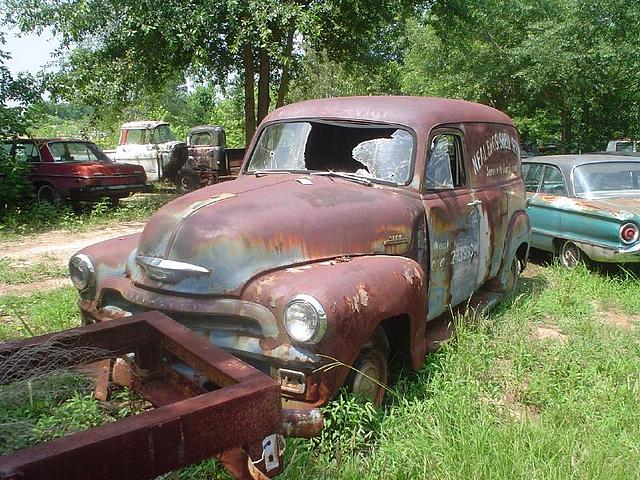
{"points": [[305, 319], [81, 271]]}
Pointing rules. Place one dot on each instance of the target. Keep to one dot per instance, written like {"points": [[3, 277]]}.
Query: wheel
{"points": [[371, 369], [49, 194], [187, 181], [514, 273], [570, 255]]}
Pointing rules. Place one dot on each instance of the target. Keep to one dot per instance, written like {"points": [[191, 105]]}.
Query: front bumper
{"points": [[245, 329]]}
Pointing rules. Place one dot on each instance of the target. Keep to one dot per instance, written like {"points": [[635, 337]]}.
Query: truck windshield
{"points": [[604, 179], [372, 151]]}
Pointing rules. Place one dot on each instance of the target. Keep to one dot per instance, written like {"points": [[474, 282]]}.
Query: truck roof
{"points": [[144, 124], [414, 112]]}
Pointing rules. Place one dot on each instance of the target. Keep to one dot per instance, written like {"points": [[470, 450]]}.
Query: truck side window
{"points": [[135, 137], [444, 167], [531, 173], [553, 182]]}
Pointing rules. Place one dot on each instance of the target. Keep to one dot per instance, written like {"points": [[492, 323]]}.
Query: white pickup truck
{"points": [[624, 145], [152, 145]]}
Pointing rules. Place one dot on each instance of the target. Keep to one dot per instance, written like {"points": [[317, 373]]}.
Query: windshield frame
{"points": [[602, 193], [345, 122]]}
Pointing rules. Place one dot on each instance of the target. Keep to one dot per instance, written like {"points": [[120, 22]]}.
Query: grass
{"points": [[545, 387], [38, 313], [502, 401], [41, 218], [12, 273]]}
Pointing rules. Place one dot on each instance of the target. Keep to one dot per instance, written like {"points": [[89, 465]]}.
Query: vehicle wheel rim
{"points": [[570, 255], [372, 373], [46, 195]]}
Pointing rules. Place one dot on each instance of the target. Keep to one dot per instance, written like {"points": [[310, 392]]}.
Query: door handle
{"points": [[474, 203]]}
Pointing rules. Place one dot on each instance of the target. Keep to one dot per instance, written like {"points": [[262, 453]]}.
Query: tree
{"points": [[564, 68], [16, 94], [121, 48]]}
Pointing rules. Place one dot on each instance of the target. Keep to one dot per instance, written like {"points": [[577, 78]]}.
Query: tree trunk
{"points": [[284, 79], [249, 95], [263, 85], [567, 134]]}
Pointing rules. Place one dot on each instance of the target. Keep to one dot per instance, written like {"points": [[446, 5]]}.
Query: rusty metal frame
{"points": [[243, 411]]}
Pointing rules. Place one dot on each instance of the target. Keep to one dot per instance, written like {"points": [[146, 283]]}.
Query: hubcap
{"points": [[570, 255]]}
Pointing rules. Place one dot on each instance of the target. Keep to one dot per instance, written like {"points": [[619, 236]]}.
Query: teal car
{"points": [[584, 206]]}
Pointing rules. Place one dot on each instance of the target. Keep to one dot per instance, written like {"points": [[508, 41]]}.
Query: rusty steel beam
{"points": [[244, 411]]}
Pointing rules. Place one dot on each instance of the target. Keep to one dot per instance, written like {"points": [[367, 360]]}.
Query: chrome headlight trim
{"points": [[82, 272], [320, 321]]}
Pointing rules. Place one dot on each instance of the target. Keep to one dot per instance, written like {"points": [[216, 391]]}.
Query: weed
{"points": [[11, 273]]}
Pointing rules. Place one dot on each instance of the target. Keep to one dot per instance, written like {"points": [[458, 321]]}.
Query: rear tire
{"points": [[570, 255], [49, 194], [187, 181], [371, 373]]}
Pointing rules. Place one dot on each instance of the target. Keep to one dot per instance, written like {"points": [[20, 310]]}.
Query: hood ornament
{"points": [[169, 271]]}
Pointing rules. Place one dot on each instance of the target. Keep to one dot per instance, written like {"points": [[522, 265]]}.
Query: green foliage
{"points": [[564, 69], [15, 188]]}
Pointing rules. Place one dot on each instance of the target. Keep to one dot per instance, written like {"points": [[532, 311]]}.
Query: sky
{"points": [[29, 53]]}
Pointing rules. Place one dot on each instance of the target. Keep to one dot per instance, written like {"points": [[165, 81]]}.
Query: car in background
{"points": [[624, 145], [584, 206], [75, 170]]}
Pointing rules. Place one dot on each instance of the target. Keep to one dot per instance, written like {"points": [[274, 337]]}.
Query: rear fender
{"points": [[357, 294]]}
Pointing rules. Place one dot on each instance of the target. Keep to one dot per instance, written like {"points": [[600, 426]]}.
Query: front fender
{"points": [[357, 295], [110, 258]]}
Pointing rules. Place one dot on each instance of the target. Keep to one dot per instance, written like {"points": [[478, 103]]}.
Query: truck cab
{"points": [[354, 226], [152, 145]]}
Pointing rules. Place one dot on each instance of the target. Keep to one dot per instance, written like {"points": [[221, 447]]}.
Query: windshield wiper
{"points": [[348, 176], [259, 173]]}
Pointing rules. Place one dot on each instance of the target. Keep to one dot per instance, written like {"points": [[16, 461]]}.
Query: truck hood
{"points": [[239, 229]]}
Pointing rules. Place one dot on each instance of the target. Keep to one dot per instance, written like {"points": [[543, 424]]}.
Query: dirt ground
{"points": [[60, 245], [55, 247]]}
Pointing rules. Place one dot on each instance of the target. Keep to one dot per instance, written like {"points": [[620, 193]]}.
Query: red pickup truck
{"points": [[75, 170]]}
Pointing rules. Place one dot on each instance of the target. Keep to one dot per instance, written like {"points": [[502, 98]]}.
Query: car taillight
{"points": [[629, 233]]}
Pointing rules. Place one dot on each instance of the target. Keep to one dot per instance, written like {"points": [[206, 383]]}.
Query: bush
{"points": [[15, 187]]}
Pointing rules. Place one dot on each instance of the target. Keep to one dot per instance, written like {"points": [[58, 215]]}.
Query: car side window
{"points": [[445, 169], [553, 181], [27, 152], [531, 173], [7, 147]]}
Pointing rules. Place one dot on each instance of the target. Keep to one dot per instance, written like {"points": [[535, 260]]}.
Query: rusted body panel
{"points": [[370, 254], [190, 423]]}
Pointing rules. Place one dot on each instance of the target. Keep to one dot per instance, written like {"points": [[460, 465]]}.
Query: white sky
{"points": [[29, 52]]}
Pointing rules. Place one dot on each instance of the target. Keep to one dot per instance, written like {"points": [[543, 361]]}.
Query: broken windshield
{"points": [[372, 151]]}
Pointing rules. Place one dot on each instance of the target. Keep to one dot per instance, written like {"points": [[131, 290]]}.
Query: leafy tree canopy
{"points": [[568, 69]]}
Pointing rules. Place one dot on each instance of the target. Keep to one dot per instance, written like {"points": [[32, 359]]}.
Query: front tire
{"points": [[570, 255], [371, 369], [187, 181]]}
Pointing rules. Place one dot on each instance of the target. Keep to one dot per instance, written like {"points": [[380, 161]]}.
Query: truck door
{"points": [[454, 220], [136, 147]]}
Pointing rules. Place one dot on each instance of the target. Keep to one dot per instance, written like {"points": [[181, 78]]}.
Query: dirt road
{"points": [[58, 246]]}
